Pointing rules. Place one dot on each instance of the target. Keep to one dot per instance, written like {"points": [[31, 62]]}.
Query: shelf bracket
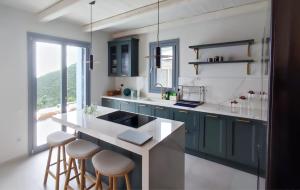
{"points": [[197, 53], [249, 51], [248, 69], [196, 66]]}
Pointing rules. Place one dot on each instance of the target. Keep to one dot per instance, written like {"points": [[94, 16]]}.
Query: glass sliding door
{"points": [[76, 83], [58, 83], [48, 61]]}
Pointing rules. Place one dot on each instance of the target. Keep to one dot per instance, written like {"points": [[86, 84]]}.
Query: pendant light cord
{"points": [[91, 33], [158, 23]]}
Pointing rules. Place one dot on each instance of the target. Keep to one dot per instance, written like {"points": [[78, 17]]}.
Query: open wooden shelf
{"points": [[232, 61], [223, 44]]}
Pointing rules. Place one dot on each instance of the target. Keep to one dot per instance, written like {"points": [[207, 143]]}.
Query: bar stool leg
{"points": [[68, 173], [48, 166], [76, 172], [64, 158], [82, 176], [110, 183], [98, 181], [127, 182], [115, 183], [57, 169]]}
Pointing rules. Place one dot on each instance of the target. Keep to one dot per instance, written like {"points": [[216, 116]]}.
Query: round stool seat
{"points": [[109, 163], [81, 149], [59, 138]]}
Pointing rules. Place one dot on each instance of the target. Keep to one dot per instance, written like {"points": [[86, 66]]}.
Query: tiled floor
{"points": [[28, 173]]}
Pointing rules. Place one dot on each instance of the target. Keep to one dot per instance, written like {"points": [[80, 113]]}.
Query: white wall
{"points": [[223, 81], [13, 73]]}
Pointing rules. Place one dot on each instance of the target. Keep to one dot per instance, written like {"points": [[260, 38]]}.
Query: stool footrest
{"points": [[91, 186], [56, 163], [74, 177]]}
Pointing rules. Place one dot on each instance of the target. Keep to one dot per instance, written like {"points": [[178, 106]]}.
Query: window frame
{"points": [[175, 65]]}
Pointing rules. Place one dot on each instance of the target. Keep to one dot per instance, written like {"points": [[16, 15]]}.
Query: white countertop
{"points": [[108, 131], [256, 114]]}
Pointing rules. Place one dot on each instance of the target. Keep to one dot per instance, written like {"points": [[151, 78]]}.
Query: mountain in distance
{"points": [[49, 88]]}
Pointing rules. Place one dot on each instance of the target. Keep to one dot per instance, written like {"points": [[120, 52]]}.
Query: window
{"points": [[167, 75]]}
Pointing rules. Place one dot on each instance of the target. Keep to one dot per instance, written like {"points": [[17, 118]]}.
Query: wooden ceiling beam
{"points": [[196, 19], [57, 10], [128, 16]]}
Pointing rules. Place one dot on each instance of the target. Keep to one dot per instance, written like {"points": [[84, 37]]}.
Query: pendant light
{"points": [[158, 55], [91, 61], [158, 49]]}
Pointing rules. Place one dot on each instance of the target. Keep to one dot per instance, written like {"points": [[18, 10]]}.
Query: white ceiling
{"points": [[108, 8]]}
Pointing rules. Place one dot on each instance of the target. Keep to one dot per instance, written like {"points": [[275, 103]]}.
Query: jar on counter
{"points": [[243, 101], [234, 106]]}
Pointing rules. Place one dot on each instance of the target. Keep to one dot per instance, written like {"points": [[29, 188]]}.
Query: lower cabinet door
{"points": [[191, 139], [111, 103], [162, 112], [242, 141], [144, 109], [108, 103], [127, 106], [190, 120], [261, 144], [213, 131]]}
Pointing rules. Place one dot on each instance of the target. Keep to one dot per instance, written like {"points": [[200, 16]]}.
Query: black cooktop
{"points": [[128, 119]]}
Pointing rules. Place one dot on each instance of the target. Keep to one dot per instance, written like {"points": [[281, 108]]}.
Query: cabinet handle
{"points": [[182, 111], [160, 108], [243, 121], [125, 102], [213, 116], [141, 105], [187, 131], [124, 75]]}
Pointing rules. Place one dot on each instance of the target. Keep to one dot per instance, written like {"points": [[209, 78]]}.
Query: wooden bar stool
{"points": [[113, 165], [58, 139], [81, 150]]}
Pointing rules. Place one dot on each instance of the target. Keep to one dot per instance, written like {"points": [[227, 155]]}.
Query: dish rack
{"points": [[191, 96]]}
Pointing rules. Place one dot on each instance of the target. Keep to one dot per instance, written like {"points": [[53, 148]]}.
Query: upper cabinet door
{"points": [[113, 60], [123, 57]]}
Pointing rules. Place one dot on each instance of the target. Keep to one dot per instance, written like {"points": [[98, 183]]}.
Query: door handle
{"points": [[182, 111], [243, 121], [212, 116]]}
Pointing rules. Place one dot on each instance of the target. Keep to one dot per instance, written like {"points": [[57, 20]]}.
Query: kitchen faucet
{"points": [[161, 90]]}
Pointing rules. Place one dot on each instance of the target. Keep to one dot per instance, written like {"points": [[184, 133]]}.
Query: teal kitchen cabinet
{"points": [[190, 120], [110, 103], [127, 106], [162, 112], [212, 135], [242, 141], [261, 142], [123, 57], [145, 109]]}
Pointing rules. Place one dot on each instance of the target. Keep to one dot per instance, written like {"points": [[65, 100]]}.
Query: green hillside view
{"points": [[49, 88]]}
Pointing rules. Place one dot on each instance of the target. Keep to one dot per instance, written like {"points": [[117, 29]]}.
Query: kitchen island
{"points": [[161, 163]]}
